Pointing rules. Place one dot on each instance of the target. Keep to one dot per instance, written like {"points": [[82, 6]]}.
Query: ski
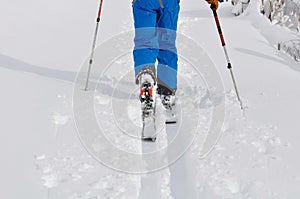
{"points": [[169, 103], [149, 126], [147, 98]]}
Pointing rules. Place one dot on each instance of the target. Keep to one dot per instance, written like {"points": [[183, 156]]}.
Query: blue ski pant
{"points": [[155, 23]]}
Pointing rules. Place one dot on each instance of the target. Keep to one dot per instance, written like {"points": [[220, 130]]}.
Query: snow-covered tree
{"points": [[283, 12], [239, 6]]}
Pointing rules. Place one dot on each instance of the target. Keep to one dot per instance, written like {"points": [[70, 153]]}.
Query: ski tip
{"points": [[149, 139], [171, 122]]}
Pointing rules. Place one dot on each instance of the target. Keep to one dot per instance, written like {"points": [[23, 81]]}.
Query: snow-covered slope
{"points": [[43, 45]]}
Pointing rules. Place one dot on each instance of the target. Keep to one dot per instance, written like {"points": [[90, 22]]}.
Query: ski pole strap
{"points": [[219, 27]]}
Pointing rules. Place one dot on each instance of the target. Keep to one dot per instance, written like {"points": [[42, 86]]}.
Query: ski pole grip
{"points": [[213, 7]]}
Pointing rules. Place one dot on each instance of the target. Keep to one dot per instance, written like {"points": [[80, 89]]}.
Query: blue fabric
{"points": [[155, 36]]}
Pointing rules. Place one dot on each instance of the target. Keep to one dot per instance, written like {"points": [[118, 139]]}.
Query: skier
{"points": [[155, 23]]}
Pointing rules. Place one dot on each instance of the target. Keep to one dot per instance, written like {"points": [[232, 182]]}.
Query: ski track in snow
{"points": [[252, 146], [69, 174]]}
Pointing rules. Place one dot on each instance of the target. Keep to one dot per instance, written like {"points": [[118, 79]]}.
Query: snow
{"points": [[43, 46]]}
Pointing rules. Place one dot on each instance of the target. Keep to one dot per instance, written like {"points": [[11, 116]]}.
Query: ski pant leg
{"points": [[167, 55], [146, 43]]}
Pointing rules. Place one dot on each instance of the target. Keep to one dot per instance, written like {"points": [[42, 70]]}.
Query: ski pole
{"points": [[229, 66], [93, 46]]}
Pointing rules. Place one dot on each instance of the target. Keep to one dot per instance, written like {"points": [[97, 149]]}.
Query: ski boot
{"points": [[168, 100]]}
